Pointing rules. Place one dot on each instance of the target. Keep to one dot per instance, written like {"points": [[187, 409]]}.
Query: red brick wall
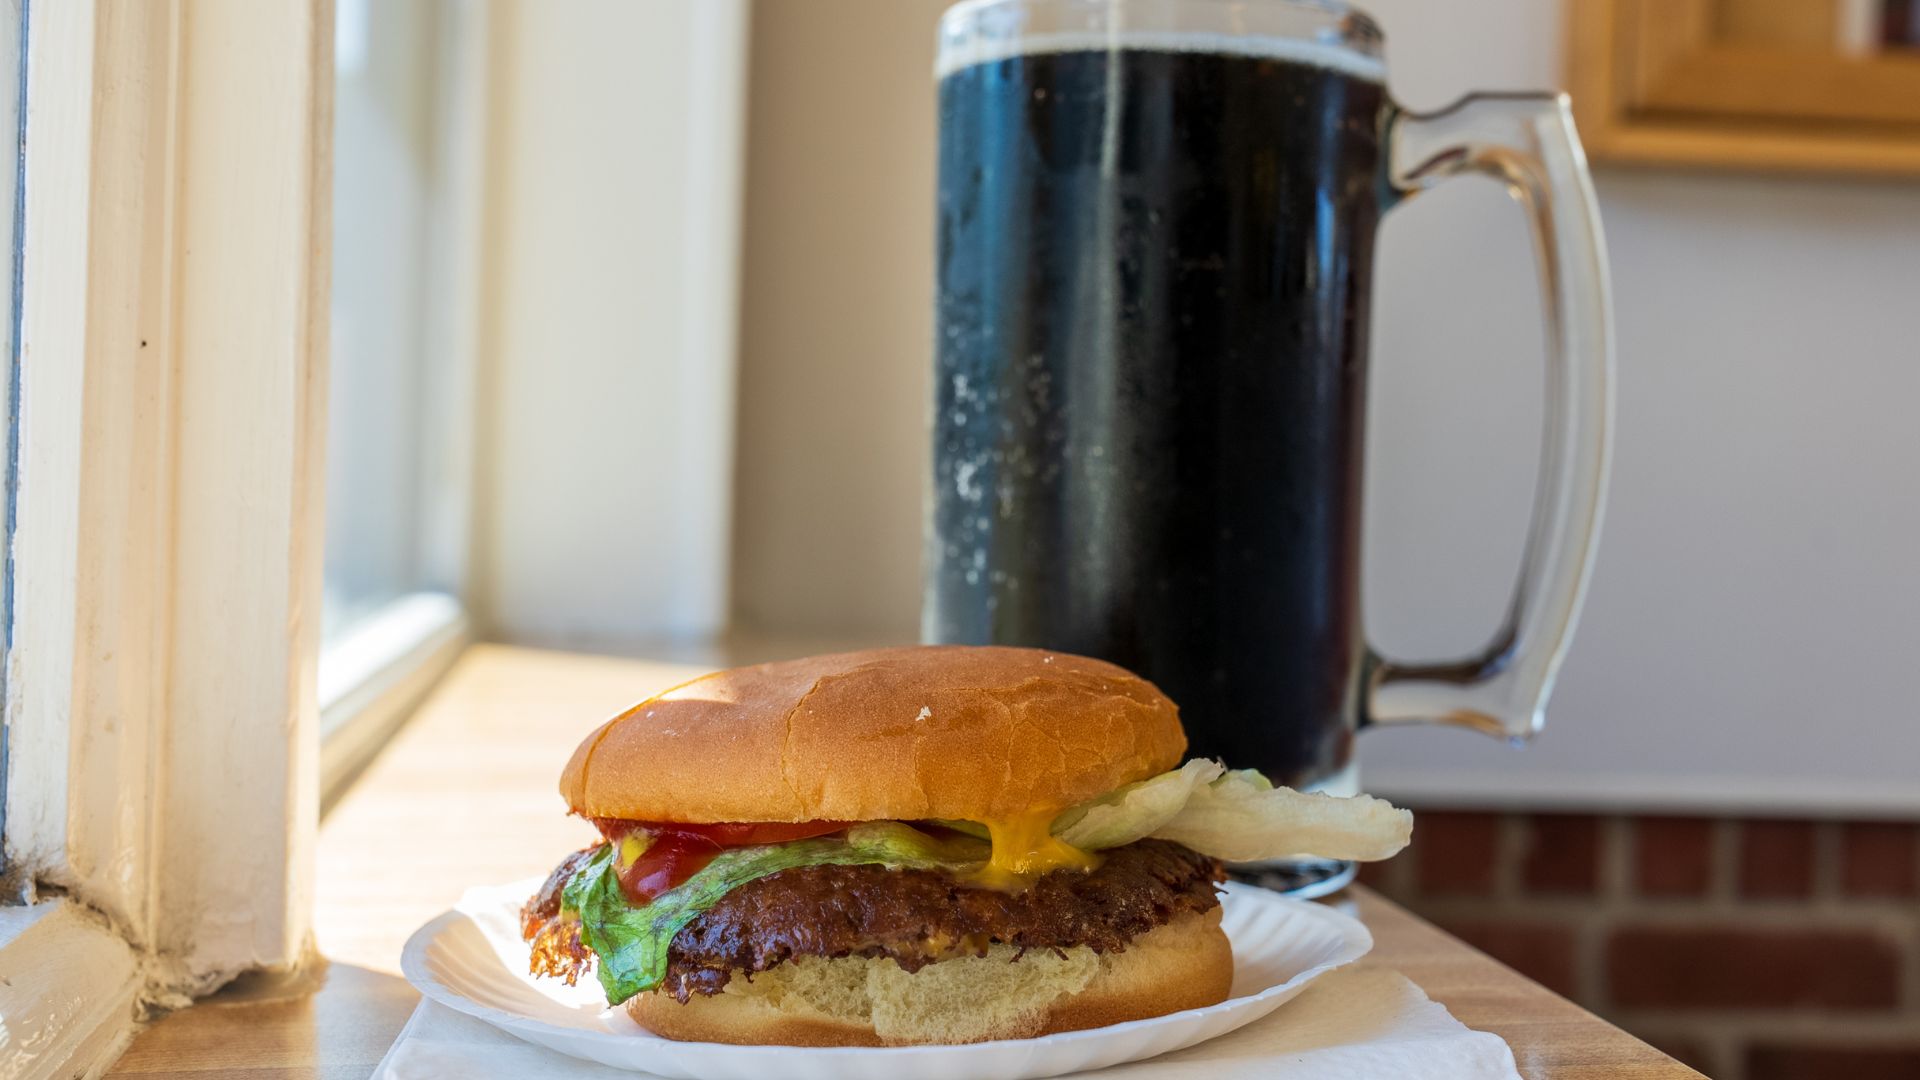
{"points": [[1753, 949]]}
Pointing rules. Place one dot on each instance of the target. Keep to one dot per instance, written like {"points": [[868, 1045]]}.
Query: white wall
{"points": [[837, 306], [1752, 618], [606, 443], [1751, 627]]}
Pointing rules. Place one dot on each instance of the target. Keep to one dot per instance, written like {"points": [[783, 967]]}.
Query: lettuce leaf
{"points": [[1242, 817], [1238, 816], [631, 941], [1133, 811]]}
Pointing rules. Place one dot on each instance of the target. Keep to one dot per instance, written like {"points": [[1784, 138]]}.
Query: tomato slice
{"points": [[675, 852]]}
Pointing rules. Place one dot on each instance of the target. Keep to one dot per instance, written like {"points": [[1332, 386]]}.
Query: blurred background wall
{"points": [[1751, 613], [836, 329], [610, 295]]}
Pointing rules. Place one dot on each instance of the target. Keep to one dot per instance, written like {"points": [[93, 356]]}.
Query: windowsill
{"points": [[67, 987], [465, 795], [373, 676]]}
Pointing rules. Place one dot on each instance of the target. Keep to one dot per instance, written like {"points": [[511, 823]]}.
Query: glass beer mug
{"points": [[1155, 269]]}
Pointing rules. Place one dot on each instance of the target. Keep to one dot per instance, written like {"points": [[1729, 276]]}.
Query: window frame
{"points": [[162, 768]]}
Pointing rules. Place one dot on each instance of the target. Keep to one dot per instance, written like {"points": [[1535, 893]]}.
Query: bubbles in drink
{"points": [[1150, 380]]}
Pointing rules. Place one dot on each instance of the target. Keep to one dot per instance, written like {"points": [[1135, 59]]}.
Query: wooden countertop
{"points": [[466, 796]]}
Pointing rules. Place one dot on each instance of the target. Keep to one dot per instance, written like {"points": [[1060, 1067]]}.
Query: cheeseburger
{"points": [[936, 844]]}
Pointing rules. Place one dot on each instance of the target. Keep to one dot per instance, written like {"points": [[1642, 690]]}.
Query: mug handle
{"points": [[1528, 142]]}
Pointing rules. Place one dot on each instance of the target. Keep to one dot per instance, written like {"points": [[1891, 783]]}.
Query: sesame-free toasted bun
{"points": [[871, 1001], [976, 733]]}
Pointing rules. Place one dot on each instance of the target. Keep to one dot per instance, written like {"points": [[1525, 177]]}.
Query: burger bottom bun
{"points": [[861, 1001]]}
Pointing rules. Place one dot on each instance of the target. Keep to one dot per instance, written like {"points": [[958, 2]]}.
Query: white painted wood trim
{"points": [[163, 767], [371, 679], [254, 221], [51, 418], [93, 542], [66, 1016]]}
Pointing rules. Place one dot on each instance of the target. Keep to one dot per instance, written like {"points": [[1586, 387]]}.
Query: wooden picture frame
{"points": [[1740, 84]]}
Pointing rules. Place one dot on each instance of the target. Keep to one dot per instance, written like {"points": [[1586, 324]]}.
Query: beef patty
{"points": [[913, 916]]}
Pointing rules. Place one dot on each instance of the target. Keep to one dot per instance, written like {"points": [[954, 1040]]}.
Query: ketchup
{"points": [[676, 852]]}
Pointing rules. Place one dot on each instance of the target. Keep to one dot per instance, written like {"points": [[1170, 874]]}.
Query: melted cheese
{"points": [[1025, 848]]}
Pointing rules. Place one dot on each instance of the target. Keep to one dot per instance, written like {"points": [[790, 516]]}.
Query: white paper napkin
{"points": [[1355, 1024]]}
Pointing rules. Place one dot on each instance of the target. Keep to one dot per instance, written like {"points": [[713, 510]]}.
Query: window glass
{"points": [[381, 413], [13, 86]]}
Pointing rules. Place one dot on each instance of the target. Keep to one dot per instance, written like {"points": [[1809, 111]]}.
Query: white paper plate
{"points": [[472, 960]]}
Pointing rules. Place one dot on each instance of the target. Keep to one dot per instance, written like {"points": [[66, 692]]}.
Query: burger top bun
{"points": [[975, 733]]}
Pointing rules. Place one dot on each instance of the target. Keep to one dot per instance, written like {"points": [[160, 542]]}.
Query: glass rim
{"points": [[1328, 33]]}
